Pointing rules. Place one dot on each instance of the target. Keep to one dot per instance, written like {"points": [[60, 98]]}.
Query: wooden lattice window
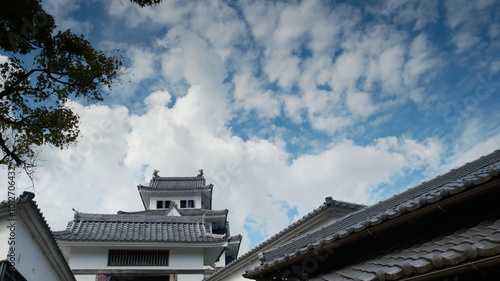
{"points": [[138, 257]]}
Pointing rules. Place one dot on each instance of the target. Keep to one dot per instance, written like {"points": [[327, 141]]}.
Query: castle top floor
{"points": [[185, 192]]}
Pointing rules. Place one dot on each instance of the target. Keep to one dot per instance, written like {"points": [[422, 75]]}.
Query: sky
{"points": [[282, 103]]}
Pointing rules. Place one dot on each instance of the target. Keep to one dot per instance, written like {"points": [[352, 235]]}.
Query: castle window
{"points": [[138, 257], [167, 203], [187, 203], [159, 204]]}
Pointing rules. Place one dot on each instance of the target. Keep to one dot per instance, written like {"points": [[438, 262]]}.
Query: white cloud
{"points": [[387, 68], [420, 13], [494, 31], [60, 8], [330, 124], [466, 19], [77, 27], [478, 137], [360, 104], [465, 12], [464, 41], [422, 62], [250, 94], [142, 64], [331, 72], [90, 176], [119, 150], [283, 69], [158, 98]]}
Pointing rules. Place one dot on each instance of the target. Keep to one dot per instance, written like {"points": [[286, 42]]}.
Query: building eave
{"points": [[285, 234], [28, 211], [75, 243], [433, 196]]}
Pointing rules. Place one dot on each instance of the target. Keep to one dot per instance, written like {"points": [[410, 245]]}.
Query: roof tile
{"points": [[432, 191], [487, 248], [126, 227], [450, 250]]}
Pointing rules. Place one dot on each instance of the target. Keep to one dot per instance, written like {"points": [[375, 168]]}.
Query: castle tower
{"points": [[176, 237]]}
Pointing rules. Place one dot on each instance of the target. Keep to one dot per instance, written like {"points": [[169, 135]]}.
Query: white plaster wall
{"points": [[186, 258], [190, 277], [85, 277], [31, 261], [88, 258], [222, 260], [177, 199], [236, 274], [4, 236], [97, 258], [183, 277]]}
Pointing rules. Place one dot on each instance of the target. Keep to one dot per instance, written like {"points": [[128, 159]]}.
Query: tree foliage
{"points": [[44, 70]]}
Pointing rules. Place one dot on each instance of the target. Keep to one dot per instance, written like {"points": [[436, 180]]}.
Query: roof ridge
{"points": [[178, 178]]}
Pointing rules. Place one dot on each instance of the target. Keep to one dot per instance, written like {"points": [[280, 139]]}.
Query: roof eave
{"points": [[374, 230], [48, 242]]}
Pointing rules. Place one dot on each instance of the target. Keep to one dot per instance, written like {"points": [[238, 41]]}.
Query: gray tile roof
{"points": [[480, 241], [451, 183], [182, 211], [329, 203], [138, 228], [176, 182]]}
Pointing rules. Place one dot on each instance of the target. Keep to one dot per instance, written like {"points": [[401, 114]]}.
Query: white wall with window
{"points": [[98, 258], [185, 201]]}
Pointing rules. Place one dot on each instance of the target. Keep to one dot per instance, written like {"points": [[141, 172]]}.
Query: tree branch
{"points": [[18, 81], [9, 152], [7, 120]]}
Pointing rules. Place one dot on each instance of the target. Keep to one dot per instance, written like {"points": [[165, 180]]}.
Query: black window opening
{"points": [[159, 204], [187, 203], [136, 278], [167, 203], [138, 257]]}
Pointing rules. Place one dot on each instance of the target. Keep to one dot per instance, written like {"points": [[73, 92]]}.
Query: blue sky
{"points": [[283, 103]]}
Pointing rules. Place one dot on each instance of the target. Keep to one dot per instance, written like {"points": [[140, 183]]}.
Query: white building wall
{"points": [[222, 260], [183, 277], [236, 274], [4, 238], [97, 258], [85, 277], [30, 260], [177, 199], [191, 277]]}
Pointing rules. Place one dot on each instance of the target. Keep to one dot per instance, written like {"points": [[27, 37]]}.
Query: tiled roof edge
{"points": [[478, 176], [133, 218], [183, 210], [179, 178], [198, 188], [328, 203], [27, 198]]}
